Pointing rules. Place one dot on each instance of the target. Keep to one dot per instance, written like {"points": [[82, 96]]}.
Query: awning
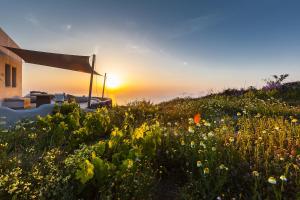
{"points": [[63, 61]]}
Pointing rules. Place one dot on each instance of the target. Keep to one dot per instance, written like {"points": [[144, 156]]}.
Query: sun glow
{"points": [[113, 81]]}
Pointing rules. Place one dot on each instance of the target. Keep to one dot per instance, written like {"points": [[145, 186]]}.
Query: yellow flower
{"points": [[272, 180], [93, 155], [130, 163], [231, 139], [110, 144], [238, 114], [192, 144], [255, 173], [206, 170], [294, 120], [182, 142]]}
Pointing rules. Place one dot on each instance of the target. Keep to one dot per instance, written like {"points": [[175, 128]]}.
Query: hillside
{"points": [[222, 146]]}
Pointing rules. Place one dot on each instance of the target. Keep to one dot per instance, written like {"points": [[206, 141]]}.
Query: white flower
{"points": [[202, 144], [283, 178], [191, 130], [206, 124], [210, 134], [199, 163], [272, 180]]}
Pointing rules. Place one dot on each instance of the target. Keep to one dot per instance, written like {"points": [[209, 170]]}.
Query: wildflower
{"points": [[210, 134], [260, 138], [222, 166], [182, 142], [202, 144], [283, 178], [199, 163], [255, 173], [258, 115], [206, 124], [281, 158], [197, 118], [191, 130], [130, 163], [191, 120], [244, 111], [192, 144], [231, 139], [294, 120], [213, 148], [93, 155], [206, 170], [272, 180], [238, 114]]}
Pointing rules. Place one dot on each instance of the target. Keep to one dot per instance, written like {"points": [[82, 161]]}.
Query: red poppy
{"points": [[197, 118]]}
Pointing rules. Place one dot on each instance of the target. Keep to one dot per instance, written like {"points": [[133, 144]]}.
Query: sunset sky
{"points": [[158, 49]]}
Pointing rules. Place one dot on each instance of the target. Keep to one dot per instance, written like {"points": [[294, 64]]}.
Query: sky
{"points": [[158, 49]]}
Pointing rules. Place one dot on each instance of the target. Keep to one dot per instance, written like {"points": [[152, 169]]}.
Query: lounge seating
{"points": [[12, 116], [59, 98], [16, 103]]}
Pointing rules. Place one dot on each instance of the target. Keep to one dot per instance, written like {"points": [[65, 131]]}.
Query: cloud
{"points": [[140, 49], [67, 27], [32, 19], [193, 25]]}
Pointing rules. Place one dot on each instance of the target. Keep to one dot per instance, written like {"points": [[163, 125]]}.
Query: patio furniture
{"points": [[42, 99]]}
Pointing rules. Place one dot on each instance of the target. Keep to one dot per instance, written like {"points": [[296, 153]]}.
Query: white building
{"points": [[10, 69]]}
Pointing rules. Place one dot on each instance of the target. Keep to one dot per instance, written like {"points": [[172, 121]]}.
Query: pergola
{"points": [[63, 61]]}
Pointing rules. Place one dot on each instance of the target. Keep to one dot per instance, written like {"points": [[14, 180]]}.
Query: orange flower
{"points": [[197, 118]]}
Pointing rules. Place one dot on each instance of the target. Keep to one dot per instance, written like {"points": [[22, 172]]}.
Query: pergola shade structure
{"points": [[63, 61]]}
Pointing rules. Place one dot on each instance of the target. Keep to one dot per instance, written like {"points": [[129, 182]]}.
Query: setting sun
{"points": [[113, 81]]}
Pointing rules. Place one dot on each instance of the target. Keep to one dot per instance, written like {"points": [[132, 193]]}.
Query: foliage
{"points": [[217, 147]]}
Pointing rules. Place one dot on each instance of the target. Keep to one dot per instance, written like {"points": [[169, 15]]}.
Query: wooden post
{"points": [[91, 81], [103, 85]]}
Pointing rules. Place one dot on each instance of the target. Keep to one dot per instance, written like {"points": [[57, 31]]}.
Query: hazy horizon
{"points": [[158, 50]]}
